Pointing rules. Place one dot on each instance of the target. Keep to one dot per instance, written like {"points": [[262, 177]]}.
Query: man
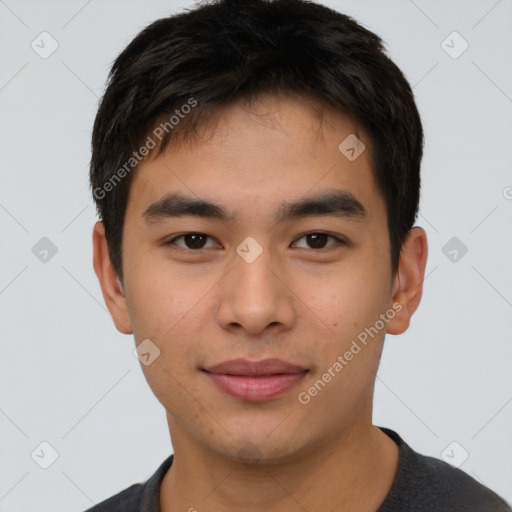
{"points": [[256, 168]]}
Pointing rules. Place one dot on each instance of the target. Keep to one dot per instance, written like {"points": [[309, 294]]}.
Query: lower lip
{"points": [[256, 389]]}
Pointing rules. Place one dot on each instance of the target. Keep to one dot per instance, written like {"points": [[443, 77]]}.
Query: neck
{"points": [[335, 475]]}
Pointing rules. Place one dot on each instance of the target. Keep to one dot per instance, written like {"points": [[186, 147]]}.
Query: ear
{"points": [[111, 285], [408, 285]]}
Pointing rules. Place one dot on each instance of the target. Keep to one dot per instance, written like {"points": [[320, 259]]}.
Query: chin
{"points": [[260, 449]]}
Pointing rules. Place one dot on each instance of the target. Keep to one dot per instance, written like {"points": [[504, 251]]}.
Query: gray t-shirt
{"points": [[422, 484]]}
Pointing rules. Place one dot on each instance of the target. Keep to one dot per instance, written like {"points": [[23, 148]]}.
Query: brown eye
{"points": [[195, 241], [192, 241], [319, 240]]}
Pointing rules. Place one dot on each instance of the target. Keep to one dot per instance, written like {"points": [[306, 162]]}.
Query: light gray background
{"points": [[70, 379]]}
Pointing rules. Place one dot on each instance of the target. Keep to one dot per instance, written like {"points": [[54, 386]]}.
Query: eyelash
{"points": [[173, 240]]}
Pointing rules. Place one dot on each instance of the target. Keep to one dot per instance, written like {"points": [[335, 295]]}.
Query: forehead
{"points": [[270, 148]]}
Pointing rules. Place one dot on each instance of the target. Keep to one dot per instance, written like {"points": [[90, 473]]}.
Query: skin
{"points": [[296, 302]]}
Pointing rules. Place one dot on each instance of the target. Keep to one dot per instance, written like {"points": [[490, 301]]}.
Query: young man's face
{"points": [[303, 299]]}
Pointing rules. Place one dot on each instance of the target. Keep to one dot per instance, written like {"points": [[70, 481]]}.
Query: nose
{"points": [[255, 298]]}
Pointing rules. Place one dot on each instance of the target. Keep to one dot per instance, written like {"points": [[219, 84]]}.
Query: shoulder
{"points": [[450, 488], [424, 483], [138, 497], [125, 501]]}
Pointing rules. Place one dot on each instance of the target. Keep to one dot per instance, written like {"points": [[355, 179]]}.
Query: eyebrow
{"points": [[337, 203]]}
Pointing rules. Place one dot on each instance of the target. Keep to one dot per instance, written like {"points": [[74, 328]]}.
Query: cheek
{"points": [[160, 300], [172, 312], [346, 310], [171, 320], [347, 300]]}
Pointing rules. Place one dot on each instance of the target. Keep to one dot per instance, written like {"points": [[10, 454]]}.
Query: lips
{"points": [[255, 368], [255, 381]]}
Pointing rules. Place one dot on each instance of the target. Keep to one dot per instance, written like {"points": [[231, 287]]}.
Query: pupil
{"points": [[316, 240], [317, 236], [195, 241]]}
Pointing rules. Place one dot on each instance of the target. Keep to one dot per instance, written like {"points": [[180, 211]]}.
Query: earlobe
{"points": [[111, 286], [408, 286]]}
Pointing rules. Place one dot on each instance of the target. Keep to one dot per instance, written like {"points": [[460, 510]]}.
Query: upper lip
{"points": [[250, 368]]}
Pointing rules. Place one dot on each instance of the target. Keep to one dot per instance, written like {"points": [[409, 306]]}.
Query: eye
{"points": [[197, 241], [318, 240], [193, 241]]}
